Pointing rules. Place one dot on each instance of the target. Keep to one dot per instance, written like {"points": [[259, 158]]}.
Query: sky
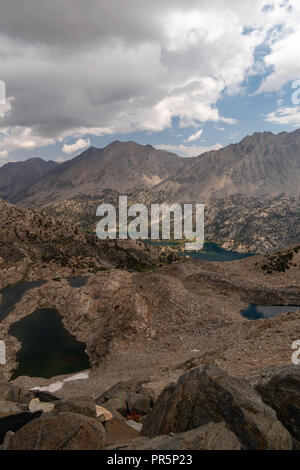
{"points": [[185, 76]]}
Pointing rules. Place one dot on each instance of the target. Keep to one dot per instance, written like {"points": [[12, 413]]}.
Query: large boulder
{"points": [[211, 436], [138, 403], [111, 408], [282, 393], [66, 431], [126, 397], [207, 394], [118, 404], [132, 385], [85, 407]]}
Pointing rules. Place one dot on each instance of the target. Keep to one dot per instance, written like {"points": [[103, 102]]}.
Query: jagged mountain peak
{"points": [[120, 166]]}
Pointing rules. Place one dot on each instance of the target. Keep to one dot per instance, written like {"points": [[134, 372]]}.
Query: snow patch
{"points": [[58, 385]]}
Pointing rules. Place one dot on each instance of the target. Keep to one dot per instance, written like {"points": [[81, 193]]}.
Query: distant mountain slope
{"points": [[238, 222], [34, 239], [261, 164], [121, 166], [16, 176]]}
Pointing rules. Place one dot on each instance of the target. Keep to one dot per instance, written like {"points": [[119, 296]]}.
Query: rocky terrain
{"points": [[205, 409], [237, 223], [134, 302], [250, 189], [153, 327], [153, 313], [32, 241], [255, 225]]}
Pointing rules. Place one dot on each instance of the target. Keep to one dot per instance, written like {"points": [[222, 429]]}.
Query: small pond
{"points": [[79, 281], [256, 312], [48, 349], [12, 295]]}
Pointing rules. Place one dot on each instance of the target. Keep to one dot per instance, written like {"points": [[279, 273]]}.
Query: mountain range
{"points": [[259, 165], [119, 166]]}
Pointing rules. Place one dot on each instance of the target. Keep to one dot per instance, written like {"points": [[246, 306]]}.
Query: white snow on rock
{"points": [[58, 385]]}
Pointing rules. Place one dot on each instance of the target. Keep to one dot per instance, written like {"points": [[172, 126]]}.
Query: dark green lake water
{"points": [[210, 252], [48, 349], [213, 252], [13, 294], [256, 312]]}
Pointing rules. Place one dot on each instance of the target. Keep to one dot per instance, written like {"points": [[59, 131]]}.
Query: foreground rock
{"points": [[84, 407], [117, 431], [8, 407], [126, 397], [14, 393], [205, 410], [103, 415], [212, 436], [282, 393], [67, 431], [207, 394]]}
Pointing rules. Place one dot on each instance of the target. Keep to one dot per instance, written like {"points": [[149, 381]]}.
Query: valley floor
{"points": [[156, 325]]}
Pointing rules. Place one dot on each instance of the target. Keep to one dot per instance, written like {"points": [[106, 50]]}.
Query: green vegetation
{"points": [[279, 262], [143, 268]]}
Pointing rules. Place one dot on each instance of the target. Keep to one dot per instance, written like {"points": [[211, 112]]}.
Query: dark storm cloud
{"points": [[78, 23], [104, 66]]}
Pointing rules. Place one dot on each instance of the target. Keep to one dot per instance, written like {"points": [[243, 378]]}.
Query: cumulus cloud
{"points": [[194, 136], [188, 150], [22, 138], [285, 116], [78, 145], [3, 153], [283, 42], [99, 67]]}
